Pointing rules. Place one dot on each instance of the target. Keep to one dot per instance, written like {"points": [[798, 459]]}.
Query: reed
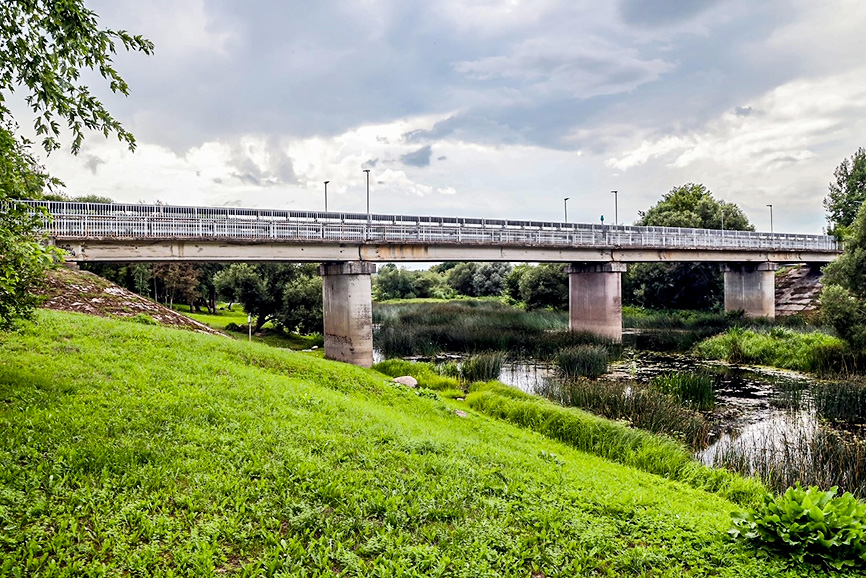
{"points": [[635, 403], [695, 390], [843, 401], [582, 361], [482, 367]]}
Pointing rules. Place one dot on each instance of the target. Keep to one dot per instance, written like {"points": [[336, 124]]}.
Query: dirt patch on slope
{"points": [[83, 292]]}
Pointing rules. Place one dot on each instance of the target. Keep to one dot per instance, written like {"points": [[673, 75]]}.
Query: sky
{"points": [[490, 108]]}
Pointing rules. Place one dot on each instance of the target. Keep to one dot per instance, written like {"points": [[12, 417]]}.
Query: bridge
{"points": [[349, 244]]}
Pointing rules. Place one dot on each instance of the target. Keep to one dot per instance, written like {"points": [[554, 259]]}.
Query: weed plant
{"points": [[633, 403], [135, 450], [843, 401], [582, 361], [482, 367], [808, 525], [693, 389], [780, 347], [822, 457]]}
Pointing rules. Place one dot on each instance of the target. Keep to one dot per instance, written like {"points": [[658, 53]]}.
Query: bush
{"points": [[144, 319], [234, 327], [582, 361], [808, 524]]}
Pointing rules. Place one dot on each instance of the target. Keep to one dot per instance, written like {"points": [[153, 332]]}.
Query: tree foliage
{"points": [[284, 293], [539, 287], [847, 193], [683, 285], [843, 299], [479, 279], [45, 45]]}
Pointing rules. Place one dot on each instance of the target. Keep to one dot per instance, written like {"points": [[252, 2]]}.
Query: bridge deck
{"points": [[117, 224]]}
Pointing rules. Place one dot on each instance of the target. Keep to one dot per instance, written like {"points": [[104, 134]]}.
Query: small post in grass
{"points": [[250, 325]]}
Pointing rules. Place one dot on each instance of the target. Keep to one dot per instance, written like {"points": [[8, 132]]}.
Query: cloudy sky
{"points": [[497, 108]]}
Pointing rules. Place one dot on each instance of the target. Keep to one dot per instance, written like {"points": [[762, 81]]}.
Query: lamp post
{"points": [[615, 207], [565, 206], [326, 195], [771, 218], [368, 194]]}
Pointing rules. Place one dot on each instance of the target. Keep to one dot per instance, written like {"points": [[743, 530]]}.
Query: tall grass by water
{"points": [[843, 400], [780, 347], [474, 326], [695, 389], [582, 361], [635, 403]]}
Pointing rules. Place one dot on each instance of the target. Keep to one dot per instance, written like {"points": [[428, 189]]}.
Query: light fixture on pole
{"points": [[368, 193], [615, 207], [771, 218], [326, 195], [565, 206]]}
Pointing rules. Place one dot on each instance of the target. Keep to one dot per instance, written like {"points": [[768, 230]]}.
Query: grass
{"points": [[582, 361], [635, 404], [473, 326], [226, 320], [693, 389], [129, 449], [779, 347], [843, 401]]}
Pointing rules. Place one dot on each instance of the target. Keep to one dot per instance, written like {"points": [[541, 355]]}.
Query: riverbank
{"points": [[136, 449]]}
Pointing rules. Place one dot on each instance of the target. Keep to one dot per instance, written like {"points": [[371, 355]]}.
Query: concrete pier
{"points": [[348, 311], [595, 298], [751, 288]]}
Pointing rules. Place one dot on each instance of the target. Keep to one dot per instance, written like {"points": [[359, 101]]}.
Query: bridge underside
{"points": [[119, 250]]}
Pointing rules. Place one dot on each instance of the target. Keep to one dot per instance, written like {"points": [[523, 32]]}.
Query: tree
{"points": [[683, 285], [843, 299], [846, 194], [262, 288], [479, 279], [391, 282], [302, 305], [44, 47], [180, 279], [544, 286]]}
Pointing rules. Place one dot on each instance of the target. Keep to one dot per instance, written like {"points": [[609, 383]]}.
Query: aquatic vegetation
{"points": [[691, 388], [482, 367], [841, 400], [582, 361]]}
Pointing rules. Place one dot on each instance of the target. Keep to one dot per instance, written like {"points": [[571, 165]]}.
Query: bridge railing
{"points": [[71, 220]]}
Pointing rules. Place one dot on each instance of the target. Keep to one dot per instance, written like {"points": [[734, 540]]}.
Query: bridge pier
{"points": [[595, 298], [751, 288], [348, 311]]}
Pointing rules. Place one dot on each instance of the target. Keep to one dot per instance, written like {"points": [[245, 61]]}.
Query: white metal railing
{"points": [[70, 220]]}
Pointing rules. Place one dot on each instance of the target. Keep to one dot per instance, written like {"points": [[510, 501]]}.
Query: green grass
{"points": [[692, 389], [779, 347], [582, 361], [269, 335], [133, 450]]}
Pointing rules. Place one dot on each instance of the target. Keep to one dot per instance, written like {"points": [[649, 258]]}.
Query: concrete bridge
{"points": [[349, 244]]}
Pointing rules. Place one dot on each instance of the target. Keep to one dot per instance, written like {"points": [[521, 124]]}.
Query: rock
{"points": [[459, 398], [315, 347], [460, 413], [406, 380]]}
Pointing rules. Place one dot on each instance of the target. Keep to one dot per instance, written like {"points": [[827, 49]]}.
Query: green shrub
{"points": [[808, 525], [693, 389], [234, 327], [144, 319], [582, 361]]}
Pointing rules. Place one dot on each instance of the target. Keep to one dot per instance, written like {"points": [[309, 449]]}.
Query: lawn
{"points": [[135, 450], [269, 335]]}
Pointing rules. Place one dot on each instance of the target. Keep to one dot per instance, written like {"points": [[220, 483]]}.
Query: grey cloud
{"points": [[419, 158], [442, 158], [661, 12], [92, 163], [743, 111], [277, 170], [370, 164]]}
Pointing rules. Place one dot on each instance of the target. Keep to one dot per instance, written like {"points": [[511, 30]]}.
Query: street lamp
{"points": [[326, 195], [615, 207], [565, 206], [368, 194], [771, 218]]}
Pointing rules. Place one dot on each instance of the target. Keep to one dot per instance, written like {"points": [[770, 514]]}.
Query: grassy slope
{"points": [[140, 450]]}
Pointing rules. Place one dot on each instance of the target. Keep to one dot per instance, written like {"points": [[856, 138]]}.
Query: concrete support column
{"points": [[751, 288], [595, 298], [348, 311]]}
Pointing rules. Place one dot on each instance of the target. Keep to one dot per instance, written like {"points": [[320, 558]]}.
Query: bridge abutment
{"points": [[751, 288], [595, 298], [348, 311]]}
